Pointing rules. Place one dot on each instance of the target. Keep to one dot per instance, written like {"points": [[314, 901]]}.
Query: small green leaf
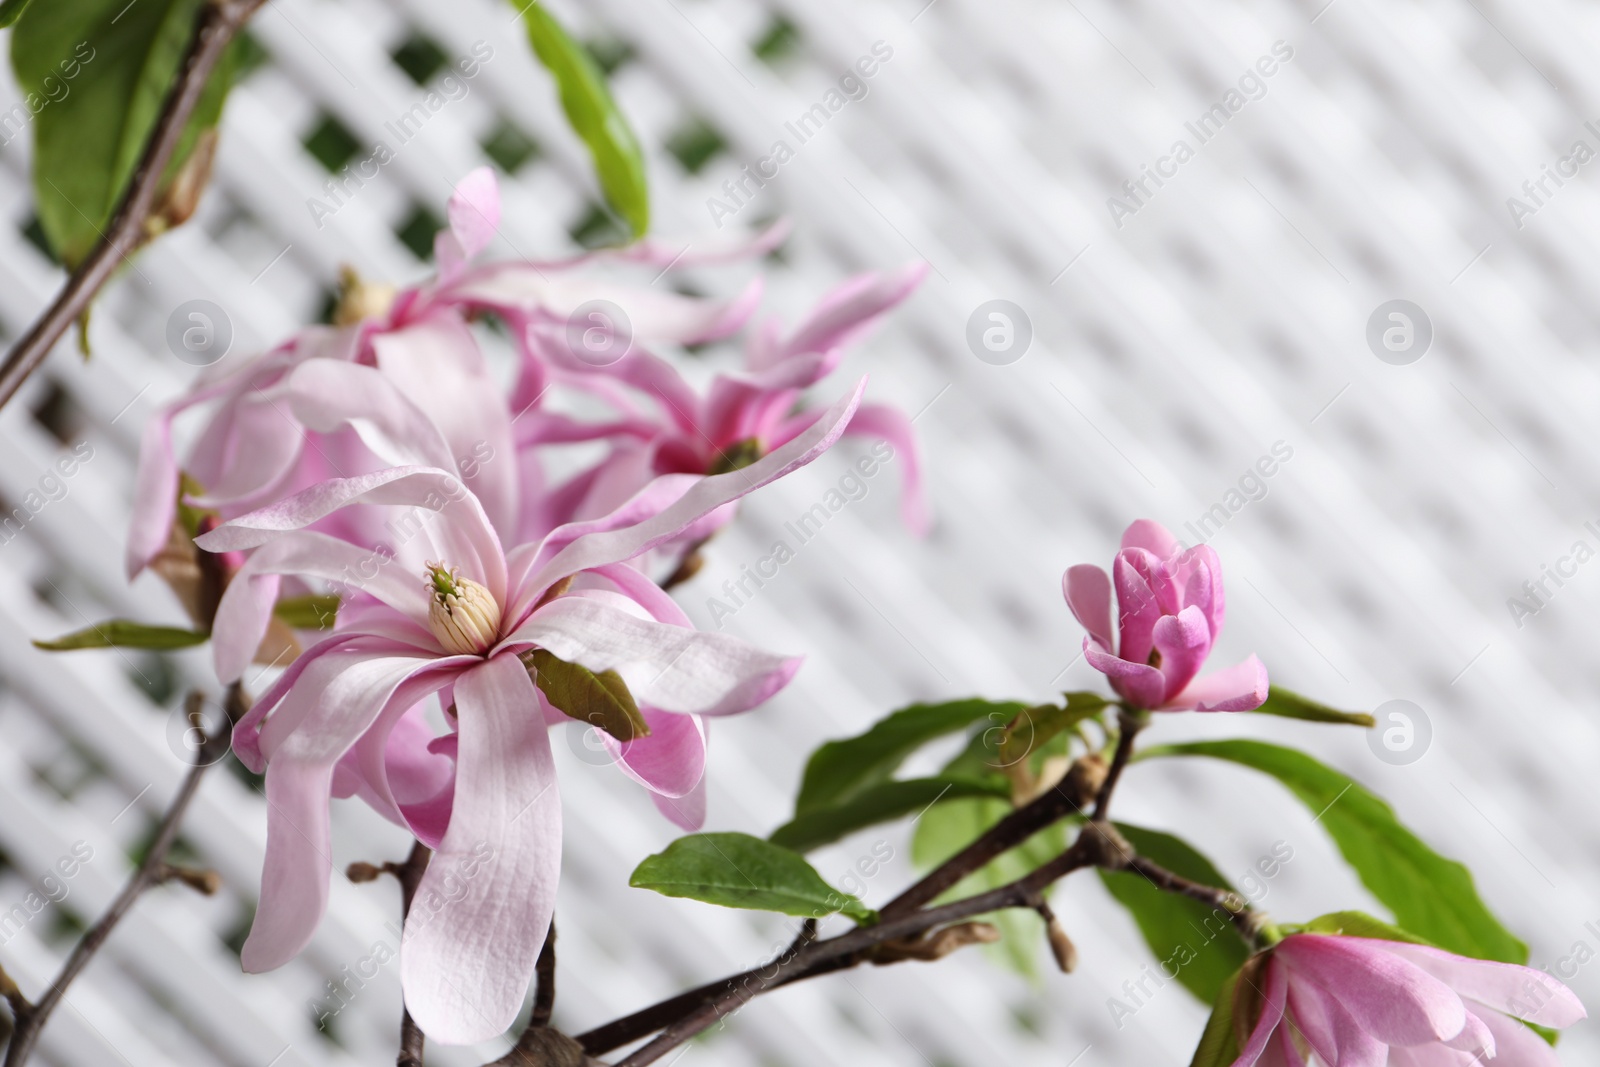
{"points": [[740, 871], [121, 633], [1289, 705], [594, 117], [879, 803], [841, 770], [600, 699], [116, 62], [311, 612], [1035, 726], [1194, 942], [11, 11], [1431, 896], [1360, 924], [1219, 1043]]}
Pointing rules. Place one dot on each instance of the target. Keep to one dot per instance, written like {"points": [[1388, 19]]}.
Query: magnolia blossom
{"points": [[1359, 1002], [1170, 609], [741, 416], [321, 404], [446, 610]]}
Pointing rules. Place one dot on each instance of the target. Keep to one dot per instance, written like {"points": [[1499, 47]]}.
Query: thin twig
{"points": [[32, 1017], [215, 27], [409, 875], [544, 996], [1129, 723]]}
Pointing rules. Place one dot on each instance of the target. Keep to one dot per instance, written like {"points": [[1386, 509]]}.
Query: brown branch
{"points": [[30, 1018], [1129, 723], [409, 875], [215, 27]]}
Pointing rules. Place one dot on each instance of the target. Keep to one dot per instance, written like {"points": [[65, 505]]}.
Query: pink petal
{"points": [[1088, 593], [668, 667], [1153, 538], [1138, 608], [1183, 641], [853, 308], [1516, 1045], [474, 214], [327, 395], [349, 692], [891, 425], [1330, 1031], [480, 915], [670, 760], [1139, 683], [687, 812], [436, 364], [462, 535], [255, 443], [1200, 571], [245, 610], [155, 495], [1272, 1005], [1497, 985], [1390, 998], [703, 496], [1242, 687]]}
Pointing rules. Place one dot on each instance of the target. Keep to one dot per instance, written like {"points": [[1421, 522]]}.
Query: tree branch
{"points": [[215, 27], [1129, 723], [409, 875], [30, 1018]]}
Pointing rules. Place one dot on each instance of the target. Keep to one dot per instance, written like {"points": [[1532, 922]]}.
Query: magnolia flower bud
{"points": [[462, 614]]}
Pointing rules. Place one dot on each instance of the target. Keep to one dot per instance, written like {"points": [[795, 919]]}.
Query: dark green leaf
{"points": [[593, 116], [11, 11], [1431, 896], [121, 633], [1289, 705], [952, 825], [1219, 1043], [1035, 726], [312, 612], [883, 802], [740, 871], [841, 770], [600, 699], [1192, 941], [116, 62]]}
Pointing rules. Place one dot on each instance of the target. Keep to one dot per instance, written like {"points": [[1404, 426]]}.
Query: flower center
{"points": [[461, 613]]}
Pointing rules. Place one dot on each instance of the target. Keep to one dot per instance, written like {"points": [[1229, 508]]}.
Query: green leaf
{"points": [[1289, 705], [952, 825], [594, 117], [600, 699], [841, 770], [311, 612], [11, 11], [1035, 726], [100, 70], [1360, 924], [1194, 942], [1431, 896], [878, 803], [740, 871], [121, 633], [1219, 1043]]}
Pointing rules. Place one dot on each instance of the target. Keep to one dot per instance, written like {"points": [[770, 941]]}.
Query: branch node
{"points": [[202, 880], [1105, 847]]}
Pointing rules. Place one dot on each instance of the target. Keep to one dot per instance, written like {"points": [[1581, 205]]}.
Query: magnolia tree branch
{"points": [[409, 875], [29, 1017], [218, 23]]}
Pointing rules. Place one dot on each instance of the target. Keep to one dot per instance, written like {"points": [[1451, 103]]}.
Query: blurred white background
{"points": [[1173, 344]]}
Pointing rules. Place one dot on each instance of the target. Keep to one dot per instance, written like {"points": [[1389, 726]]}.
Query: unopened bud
{"points": [[1085, 777], [1061, 946], [363, 872], [462, 614]]}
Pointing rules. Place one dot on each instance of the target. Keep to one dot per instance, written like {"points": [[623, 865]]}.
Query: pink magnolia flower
{"points": [[445, 610], [1170, 609], [286, 420], [740, 417], [1361, 1002]]}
